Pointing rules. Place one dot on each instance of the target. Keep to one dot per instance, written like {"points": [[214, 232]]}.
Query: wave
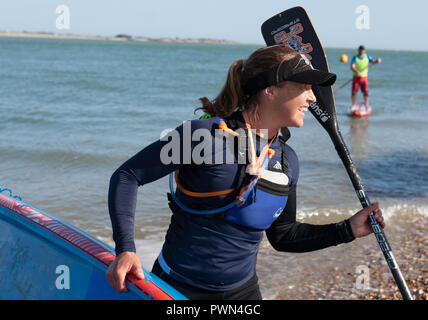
{"points": [[390, 211]]}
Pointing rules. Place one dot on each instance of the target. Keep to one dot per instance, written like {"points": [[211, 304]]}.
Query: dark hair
{"points": [[232, 96]]}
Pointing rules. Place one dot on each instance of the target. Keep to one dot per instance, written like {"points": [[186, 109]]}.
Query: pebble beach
{"points": [[336, 273]]}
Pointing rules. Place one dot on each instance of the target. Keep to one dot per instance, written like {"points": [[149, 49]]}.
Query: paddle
{"points": [[293, 27], [343, 85]]}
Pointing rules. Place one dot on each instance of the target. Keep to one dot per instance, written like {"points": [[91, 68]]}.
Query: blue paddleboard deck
{"points": [[43, 257]]}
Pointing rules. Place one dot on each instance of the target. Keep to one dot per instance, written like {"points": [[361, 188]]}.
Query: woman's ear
{"points": [[269, 92]]}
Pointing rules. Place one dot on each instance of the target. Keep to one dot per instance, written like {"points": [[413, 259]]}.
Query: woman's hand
{"points": [[360, 222], [125, 263]]}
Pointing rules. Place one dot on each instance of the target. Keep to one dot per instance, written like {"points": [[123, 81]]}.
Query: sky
{"points": [[379, 24]]}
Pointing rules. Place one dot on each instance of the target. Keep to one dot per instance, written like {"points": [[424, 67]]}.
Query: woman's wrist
{"points": [[344, 230]]}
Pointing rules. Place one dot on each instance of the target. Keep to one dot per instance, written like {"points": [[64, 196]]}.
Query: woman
{"points": [[221, 208]]}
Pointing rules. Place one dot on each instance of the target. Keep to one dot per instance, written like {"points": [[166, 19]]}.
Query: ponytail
{"points": [[231, 95]]}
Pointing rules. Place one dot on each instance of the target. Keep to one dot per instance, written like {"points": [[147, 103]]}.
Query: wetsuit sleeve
{"points": [[144, 167], [370, 58], [353, 61], [287, 234]]}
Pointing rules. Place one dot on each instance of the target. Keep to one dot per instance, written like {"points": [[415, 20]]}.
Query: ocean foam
{"points": [[388, 210]]}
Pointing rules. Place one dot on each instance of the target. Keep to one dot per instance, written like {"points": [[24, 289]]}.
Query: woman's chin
{"points": [[294, 122], [298, 123]]}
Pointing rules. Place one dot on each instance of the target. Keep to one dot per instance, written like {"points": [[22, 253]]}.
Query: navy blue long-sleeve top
{"points": [[210, 252]]}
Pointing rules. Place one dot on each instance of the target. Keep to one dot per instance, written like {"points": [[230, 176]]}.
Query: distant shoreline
{"points": [[119, 37]]}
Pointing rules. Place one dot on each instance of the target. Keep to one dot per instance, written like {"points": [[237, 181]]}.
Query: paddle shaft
{"points": [[344, 155]]}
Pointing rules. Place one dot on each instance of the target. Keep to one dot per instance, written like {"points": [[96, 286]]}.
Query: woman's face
{"points": [[290, 101]]}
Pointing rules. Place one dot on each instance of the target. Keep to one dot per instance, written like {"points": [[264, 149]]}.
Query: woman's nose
{"points": [[311, 97]]}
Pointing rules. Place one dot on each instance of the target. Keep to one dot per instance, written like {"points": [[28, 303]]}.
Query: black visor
{"points": [[298, 69]]}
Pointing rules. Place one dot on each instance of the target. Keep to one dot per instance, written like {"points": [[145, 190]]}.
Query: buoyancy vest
{"points": [[258, 200], [362, 65], [219, 251]]}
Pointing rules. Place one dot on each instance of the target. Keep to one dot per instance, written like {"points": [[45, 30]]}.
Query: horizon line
{"points": [[127, 37]]}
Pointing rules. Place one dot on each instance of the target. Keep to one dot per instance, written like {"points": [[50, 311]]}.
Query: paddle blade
{"points": [[294, 28]]}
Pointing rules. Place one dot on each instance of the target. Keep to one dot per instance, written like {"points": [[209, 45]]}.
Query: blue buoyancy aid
{"points": [[270, 187], [219, 251]]}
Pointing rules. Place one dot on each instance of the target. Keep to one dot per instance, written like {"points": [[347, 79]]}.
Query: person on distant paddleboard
{"points": [[222, 206], [360, 69]]}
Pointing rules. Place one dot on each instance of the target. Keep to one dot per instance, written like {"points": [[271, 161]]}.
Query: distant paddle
{"points": [[293, 27]]}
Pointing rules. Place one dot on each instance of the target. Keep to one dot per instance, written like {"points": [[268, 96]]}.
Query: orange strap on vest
{"points": [[201, 194], [254, 166]]}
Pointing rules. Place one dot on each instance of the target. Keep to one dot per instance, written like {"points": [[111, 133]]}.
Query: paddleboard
{"points": [[360, 111], [43, 257]]}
